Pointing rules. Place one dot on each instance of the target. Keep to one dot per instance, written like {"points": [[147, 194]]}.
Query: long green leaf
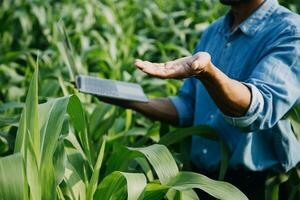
{"points": [[189, 194], [32, 170], [136, 184], [94, 180], [204, 131], [158, 156], [114, 186], [161, 160], [51, 131], [59, 161], [28, 138], [180, 133], [155, 191], [120, 158], [12, 177], [76, 188], [294, 117], [30, 113], [77, 115], [218, 189]]}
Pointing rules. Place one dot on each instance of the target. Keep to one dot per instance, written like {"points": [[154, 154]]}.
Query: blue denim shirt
{"points": [[263, 52]]}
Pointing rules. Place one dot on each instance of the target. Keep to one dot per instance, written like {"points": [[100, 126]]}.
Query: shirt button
{"points": [[228, 44], [211, 116], [204, 151]]}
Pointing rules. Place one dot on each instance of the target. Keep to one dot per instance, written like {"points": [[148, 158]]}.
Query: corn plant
{"points": [[74, 151], [52, 160]]}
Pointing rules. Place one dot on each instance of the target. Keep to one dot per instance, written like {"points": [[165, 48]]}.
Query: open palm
{"points": [[179, 68]]}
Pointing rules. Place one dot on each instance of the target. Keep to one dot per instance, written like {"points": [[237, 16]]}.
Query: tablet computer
{"points": [[99, 86]]}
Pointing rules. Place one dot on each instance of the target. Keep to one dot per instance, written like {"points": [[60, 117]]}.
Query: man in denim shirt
{"points": [[243, 78]]}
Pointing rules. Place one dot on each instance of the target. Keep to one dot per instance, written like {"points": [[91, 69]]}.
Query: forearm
{"points": [[160, 109], [232, 97]]}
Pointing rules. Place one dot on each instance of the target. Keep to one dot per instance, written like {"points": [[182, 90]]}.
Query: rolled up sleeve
{"points": [[185, 102], [274, 85], [254, 109]]}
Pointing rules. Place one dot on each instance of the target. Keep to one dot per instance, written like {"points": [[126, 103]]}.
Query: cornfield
{"points": [[56, 143]]}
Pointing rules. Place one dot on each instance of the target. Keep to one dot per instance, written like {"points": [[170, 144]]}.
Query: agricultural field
{"points": [[56, 143]]}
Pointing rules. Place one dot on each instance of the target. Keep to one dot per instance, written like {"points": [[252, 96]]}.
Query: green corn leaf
{"points": [[136, 184], [158, 156], [44, 115], [10, 105], [12, 178], [11, 56], [218, 189], [189, 194], [32, 170], [59, 161], [51, 130], [76, 188], [167, 171], [72, 141], [9, 121], [128, 119], [114, 186], [180, 133], [66, 50], [161, 160], [3, 145], [48, 181], [294, 117], [52, 118], [28, 138], [98, 115], [172, 194], [94, 180], [272, 185], [77, 116], [120, 158], [79, 164], [52, 127], [30, 112], [224, 161], [204, 131], [155, 191], [146, 168]]}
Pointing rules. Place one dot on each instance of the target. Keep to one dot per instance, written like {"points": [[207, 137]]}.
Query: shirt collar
{"points": [[253, 23]]}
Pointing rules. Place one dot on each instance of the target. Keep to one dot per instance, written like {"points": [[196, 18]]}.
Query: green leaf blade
{"points": [[218, 189]]}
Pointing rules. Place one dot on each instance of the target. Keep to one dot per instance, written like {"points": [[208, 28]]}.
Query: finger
{"points": [[160, 70], [138, 63], [155, 69], [141, 64], [146, 66]]}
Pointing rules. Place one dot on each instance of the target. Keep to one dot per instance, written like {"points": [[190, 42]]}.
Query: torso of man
{"points": [[262, 52]]}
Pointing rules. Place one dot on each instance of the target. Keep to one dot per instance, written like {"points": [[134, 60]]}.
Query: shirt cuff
{"points": [[253, 111], [184, 110]]}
